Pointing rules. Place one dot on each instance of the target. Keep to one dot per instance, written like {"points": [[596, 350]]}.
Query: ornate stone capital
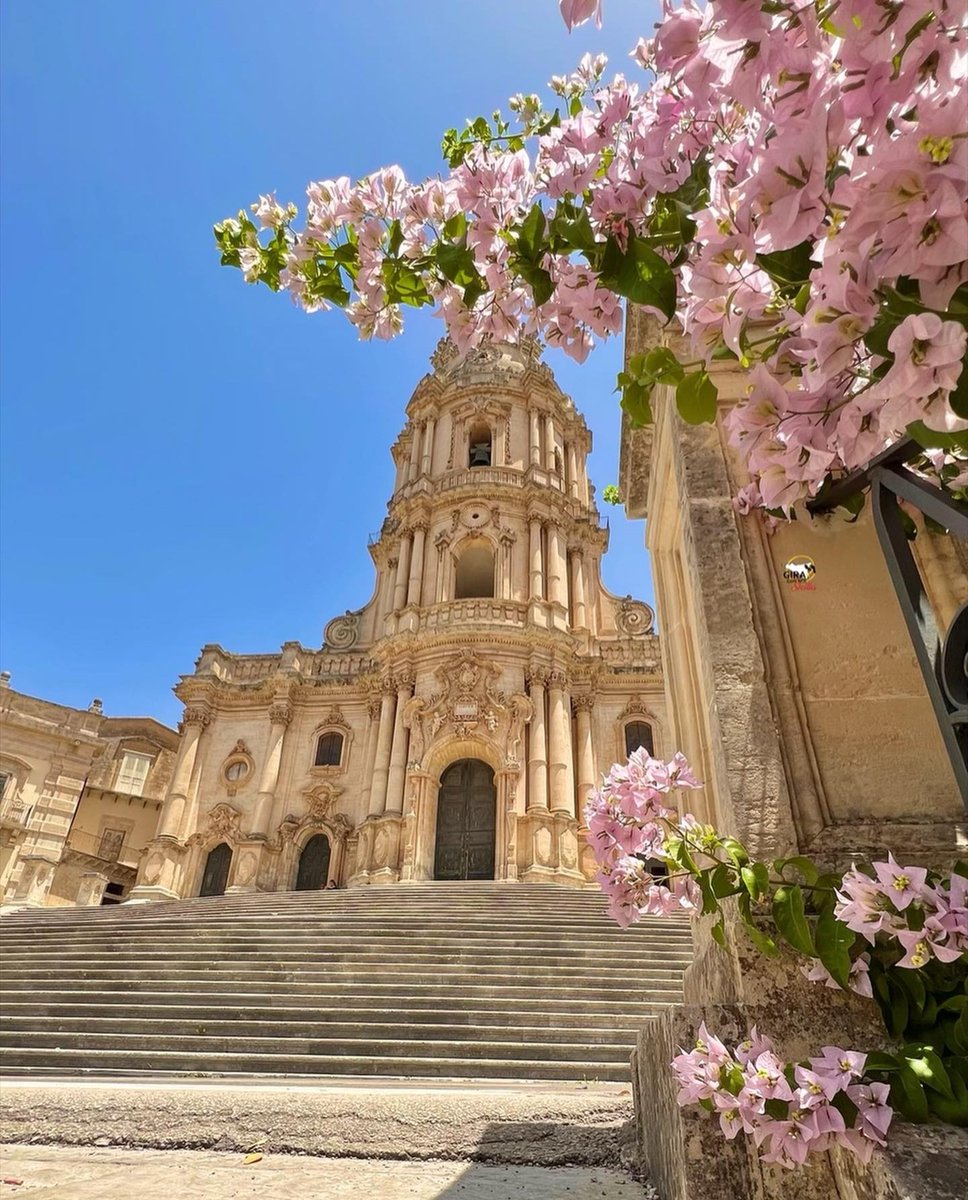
{"points": [[197, 714], [583, 703], [403, 679], [280, 712], [419, 524], [373, 707], [537, 676], [388, 685], [558, 679]]}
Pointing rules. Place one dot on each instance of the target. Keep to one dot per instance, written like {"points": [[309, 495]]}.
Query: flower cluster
{"points": [[929, 920], [628, 819], [791, 184], [791, 1110]]}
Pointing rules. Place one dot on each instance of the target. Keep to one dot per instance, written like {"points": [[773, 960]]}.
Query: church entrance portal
{"points": [[216, 874], [466, 809], [313, 864]]}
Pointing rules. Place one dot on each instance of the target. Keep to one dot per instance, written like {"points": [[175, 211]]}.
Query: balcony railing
{"points": [[483, 611], [105, 849]]}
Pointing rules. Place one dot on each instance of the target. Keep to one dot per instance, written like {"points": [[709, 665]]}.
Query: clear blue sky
{"points": [[186, 459]]}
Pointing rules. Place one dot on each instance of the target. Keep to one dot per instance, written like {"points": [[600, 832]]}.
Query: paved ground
{"points": [[548, 1125], [86, 1173]]}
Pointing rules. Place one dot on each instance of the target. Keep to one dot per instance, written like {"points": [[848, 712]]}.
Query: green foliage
{"points": [[611, 494]]}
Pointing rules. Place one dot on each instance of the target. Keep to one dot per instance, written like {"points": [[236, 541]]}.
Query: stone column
{"points": [[537, 575], [398, 751], [561, 772], [535, 439], [587, 776], [550, 444], [579, 616], [91, 889], [369, 754], [381, 769], [428, 445], [194, 720], [280, 714], [538, 757], [414, 587], [414, 453], [571, 459], [403, 571], [507, 559], [557, 585]]}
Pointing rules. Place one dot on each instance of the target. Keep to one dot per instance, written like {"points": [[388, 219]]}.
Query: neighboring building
{"points": [[451, 727], [80, 797]]}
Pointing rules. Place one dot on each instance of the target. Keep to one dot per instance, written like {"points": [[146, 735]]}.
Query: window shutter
{"points": [[133, 774]]}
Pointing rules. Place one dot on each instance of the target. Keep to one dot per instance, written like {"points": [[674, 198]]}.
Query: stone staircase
{"points": [[456, 980]]}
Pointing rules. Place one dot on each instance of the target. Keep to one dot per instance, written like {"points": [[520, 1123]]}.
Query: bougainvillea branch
{"points": [[787, 181], [895, 934]]}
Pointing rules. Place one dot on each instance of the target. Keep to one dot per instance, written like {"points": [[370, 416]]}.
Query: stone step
{"points": [[489, 981], [140, 1063], [190, 1027], [281, 959], [462, 1048], [512, 991], [399, 978], [618, 1011]]}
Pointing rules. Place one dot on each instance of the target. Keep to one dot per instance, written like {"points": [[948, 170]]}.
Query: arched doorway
{"points": [[313, 864], [216, 873], [466, 810]]}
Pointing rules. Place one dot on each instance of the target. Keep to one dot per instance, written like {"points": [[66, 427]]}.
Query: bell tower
{"points": [[452, 726]]}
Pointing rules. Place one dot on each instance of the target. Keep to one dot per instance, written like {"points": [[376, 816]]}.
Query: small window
{"points": [[236, 771], [479, 447], [329, 750], [4, 780], [133, 773], [110, 846], [638, 735]]}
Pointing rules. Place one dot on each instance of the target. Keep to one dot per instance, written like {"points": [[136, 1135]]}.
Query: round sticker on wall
{"points": [[799, 572]]}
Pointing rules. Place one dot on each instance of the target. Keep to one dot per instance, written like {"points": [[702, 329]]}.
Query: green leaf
{"points": [[662, 365], [834, 941], [912, 984], [927, 1066], [576, 232], [897, 1016], [788, 266], [933, 439], [696, 398], [807, 869], [636, 402], [907, 1095], [788, 912], [395, 240], [640, 275], [718, 931], [456, 263], [710, 903], [958, 399], [762, 941], [455, 228], [736, 850], [757, 880], [878, 1061], [954, 1111], [724, 882], [530, 243], [404, 285]]}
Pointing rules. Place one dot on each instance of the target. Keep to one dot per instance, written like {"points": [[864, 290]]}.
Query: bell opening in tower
{"points": [[479, 447], [475, 572]]}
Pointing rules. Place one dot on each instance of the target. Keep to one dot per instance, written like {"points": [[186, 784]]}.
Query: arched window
{"points": [[475, 572], [329, 750], [639, 734], [479, 446]]}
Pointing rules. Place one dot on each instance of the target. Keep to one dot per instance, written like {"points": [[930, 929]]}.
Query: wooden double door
{"points": [[466, 811]]}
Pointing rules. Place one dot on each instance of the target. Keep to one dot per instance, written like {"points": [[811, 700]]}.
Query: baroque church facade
{"points": [[452, 726]]}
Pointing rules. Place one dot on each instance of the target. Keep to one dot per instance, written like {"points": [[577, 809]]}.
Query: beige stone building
{"points": [[80, 797], [449, 728]]}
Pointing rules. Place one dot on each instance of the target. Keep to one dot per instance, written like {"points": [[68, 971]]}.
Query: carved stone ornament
{"points": [[280, 712], [335, 719], [637, 707], [341, 633], [635, 617], [196, 714], [469, 703], [321, 799], [222, 823], [583, 703]]}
